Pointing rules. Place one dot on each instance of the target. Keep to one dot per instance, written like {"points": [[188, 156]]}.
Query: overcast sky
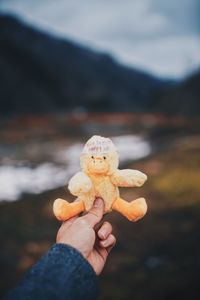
{"points": [[162, 37]]}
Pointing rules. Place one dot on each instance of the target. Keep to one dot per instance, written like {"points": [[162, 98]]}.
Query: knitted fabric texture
{"points": [[62, 273]]}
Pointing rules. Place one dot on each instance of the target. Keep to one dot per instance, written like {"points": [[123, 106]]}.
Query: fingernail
{"points": [[103, 233], [105, 243], [98, 203]]}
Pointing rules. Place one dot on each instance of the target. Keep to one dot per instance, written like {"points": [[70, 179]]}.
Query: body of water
{"points": [[17, 178]]}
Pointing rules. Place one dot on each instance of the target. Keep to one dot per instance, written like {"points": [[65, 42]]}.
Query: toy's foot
{"points": [[133, 211], [64, 210], [137, 209]]}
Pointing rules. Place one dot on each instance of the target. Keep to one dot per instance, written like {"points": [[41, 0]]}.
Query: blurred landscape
{"points": [[157, 257], [55, 94], [49, 74]]}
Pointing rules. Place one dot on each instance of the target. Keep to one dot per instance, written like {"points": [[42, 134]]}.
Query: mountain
{"points": [[43, 73], [182, 98]]}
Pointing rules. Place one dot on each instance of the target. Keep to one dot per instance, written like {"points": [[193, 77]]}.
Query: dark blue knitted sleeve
{"points": [[62, 273]]}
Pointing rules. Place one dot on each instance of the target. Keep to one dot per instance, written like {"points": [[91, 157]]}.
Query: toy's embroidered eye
{"points": [[92, 157], [104, 157]]}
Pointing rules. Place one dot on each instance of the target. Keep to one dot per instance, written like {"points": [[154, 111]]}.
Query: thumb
{"points": [[95, 215]]}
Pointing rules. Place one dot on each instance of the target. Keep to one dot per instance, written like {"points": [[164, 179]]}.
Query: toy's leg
{"points": [[133, 210], [64, 210]]}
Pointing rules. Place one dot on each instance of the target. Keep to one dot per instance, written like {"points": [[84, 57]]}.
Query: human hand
{"points": [[79, 233]]}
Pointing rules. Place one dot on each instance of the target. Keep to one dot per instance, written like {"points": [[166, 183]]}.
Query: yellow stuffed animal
{"points": [[100, 177]]}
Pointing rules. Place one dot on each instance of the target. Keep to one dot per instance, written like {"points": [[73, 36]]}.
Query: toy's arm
{"points": [[79, 183], [128, 178]]}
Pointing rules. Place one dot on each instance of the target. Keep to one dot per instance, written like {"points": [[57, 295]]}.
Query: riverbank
{"points": [[157, 257]]}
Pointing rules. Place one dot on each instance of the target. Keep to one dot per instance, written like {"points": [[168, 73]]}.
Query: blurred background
{"points": [[128, 70]]}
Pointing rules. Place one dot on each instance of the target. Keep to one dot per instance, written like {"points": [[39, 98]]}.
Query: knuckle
{"points": [[81, 222], [113, 239], [94, 214], [107, 225]]}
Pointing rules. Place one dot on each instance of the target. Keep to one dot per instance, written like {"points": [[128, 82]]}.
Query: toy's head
{"points": [[99, 156]]}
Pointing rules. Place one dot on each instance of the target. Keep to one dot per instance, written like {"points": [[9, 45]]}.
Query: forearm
{"points": [[62, 273]]}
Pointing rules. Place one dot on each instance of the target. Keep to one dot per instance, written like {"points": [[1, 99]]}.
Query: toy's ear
{"points": [[84, 162], [113, 162]]}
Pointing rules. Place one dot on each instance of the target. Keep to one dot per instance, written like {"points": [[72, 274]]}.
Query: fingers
{"points": [[107, 239], [104, 231], [105, 246], [95, 215], [108, 243]]}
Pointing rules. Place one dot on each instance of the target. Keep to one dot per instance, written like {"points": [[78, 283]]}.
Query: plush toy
{"points": [[100, 177]]}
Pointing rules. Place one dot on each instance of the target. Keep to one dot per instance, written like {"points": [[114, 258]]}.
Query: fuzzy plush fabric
{"points": [[62, 273], [100, 177]]}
